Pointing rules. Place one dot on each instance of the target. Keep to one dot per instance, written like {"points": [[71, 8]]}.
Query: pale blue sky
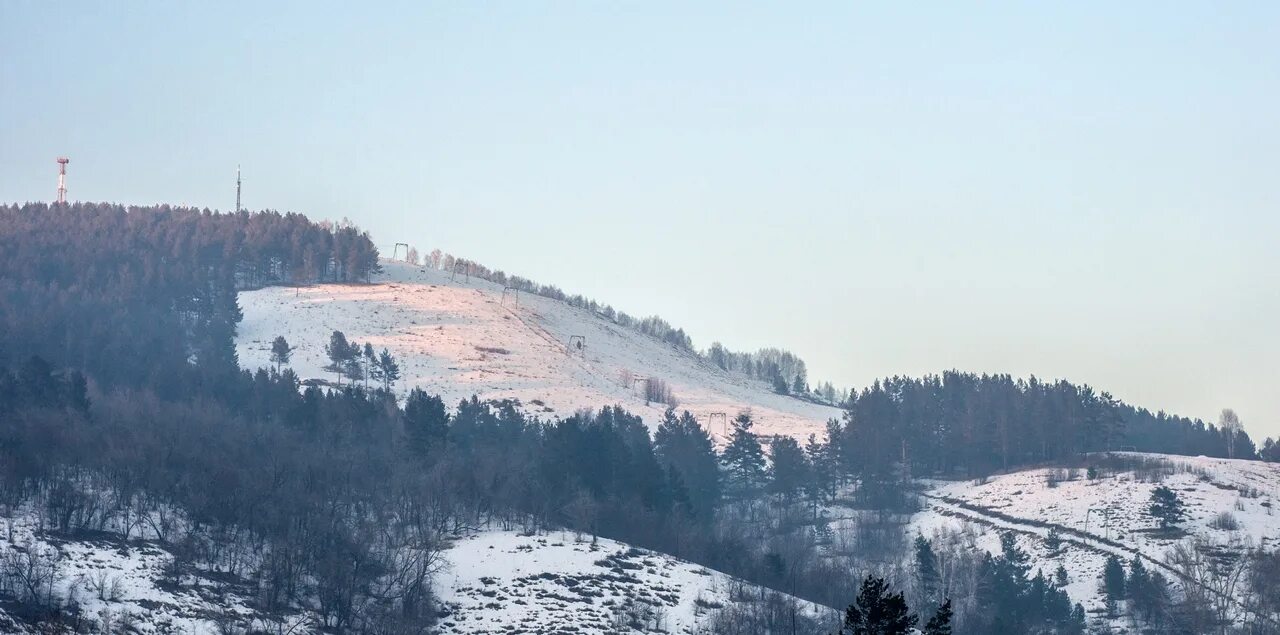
{"points": [[1079, 190]]}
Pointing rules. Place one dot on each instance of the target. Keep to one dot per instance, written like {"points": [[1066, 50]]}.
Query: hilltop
{"points": [[459, 337]]}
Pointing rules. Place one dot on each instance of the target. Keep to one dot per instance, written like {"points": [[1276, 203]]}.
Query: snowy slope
{"points": [[459, 338], [490, 582], [501, 581], [1118, 524], [122, 587]]}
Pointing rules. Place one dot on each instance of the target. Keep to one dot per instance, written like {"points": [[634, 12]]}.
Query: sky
{"points": [[1084, 190]]}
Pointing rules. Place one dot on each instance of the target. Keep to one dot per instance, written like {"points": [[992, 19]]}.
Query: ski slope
{"points": [[559, 582], [1108, 514], [461, 338]]}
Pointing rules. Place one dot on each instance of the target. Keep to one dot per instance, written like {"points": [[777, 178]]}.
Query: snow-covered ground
{"points": [[1108, 514], [489, 582], [502, 581], [123, 588], [459, 338]]}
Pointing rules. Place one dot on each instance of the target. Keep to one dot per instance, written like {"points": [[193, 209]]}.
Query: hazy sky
{"points": [[1089, 191]]}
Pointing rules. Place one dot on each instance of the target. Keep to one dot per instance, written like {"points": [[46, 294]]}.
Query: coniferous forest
{"points": [[123, 410]]}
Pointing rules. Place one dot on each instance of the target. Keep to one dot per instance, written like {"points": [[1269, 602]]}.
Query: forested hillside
{"points": [[968, 424], [123, 416], [132, 294]]}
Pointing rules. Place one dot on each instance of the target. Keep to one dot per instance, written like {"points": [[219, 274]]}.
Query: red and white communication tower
{"points": [[62, 179]]}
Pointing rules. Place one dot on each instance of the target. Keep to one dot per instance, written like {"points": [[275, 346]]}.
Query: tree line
{"points": [[967, 424], [147, 295]]}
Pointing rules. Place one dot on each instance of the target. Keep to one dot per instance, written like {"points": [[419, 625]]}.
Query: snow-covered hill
{"points": [[119, 587], [487, 582], [1230, 504], [502, 581], [459, 338]]}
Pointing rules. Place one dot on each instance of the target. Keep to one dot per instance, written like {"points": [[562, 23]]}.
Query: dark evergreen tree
{"points": [[1060, 577], [822, 471], [683, 445], [386, 370], [369, 360], [926, 569], [280, 351], [1113, 579], [877, 611], [940, 623], [1166, 507], [788, 470], [1148, 594], [340, 354], [425, 421], [780, 385], [743, 459]]}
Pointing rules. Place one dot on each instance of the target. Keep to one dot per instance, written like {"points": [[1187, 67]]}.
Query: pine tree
{"points": [[339, 352], [280, 351], [1137, 585], [743, 459], [940, 623], [1166, 507], [386, 370], [369, 359], [780, 385], [425, 420], [1060, 576], [1053, 541], [926, 568], [1113, 579], [877, 611], [682, 444], [821, 471], [789, 470]]}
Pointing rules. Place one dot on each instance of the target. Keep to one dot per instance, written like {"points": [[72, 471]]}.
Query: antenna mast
{"points": [[62, 179], [237, 188]]}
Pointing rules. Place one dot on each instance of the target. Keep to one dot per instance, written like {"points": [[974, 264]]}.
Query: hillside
{"points": [[503, 581], [487, 582], [122, 586], [1231, 505], [457, 338]]}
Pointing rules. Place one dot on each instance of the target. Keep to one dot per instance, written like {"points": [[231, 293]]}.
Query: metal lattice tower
{"points": [[237, 188], [62, 179]]}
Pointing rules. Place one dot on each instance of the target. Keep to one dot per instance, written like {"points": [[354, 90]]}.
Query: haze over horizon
{"points": [[883, 190]]}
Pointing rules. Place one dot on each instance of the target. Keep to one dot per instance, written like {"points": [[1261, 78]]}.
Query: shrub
{"points": [[1225, 521]]}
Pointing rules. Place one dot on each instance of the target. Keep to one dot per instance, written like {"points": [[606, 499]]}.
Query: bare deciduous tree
{"points": [[1229, 423]]}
